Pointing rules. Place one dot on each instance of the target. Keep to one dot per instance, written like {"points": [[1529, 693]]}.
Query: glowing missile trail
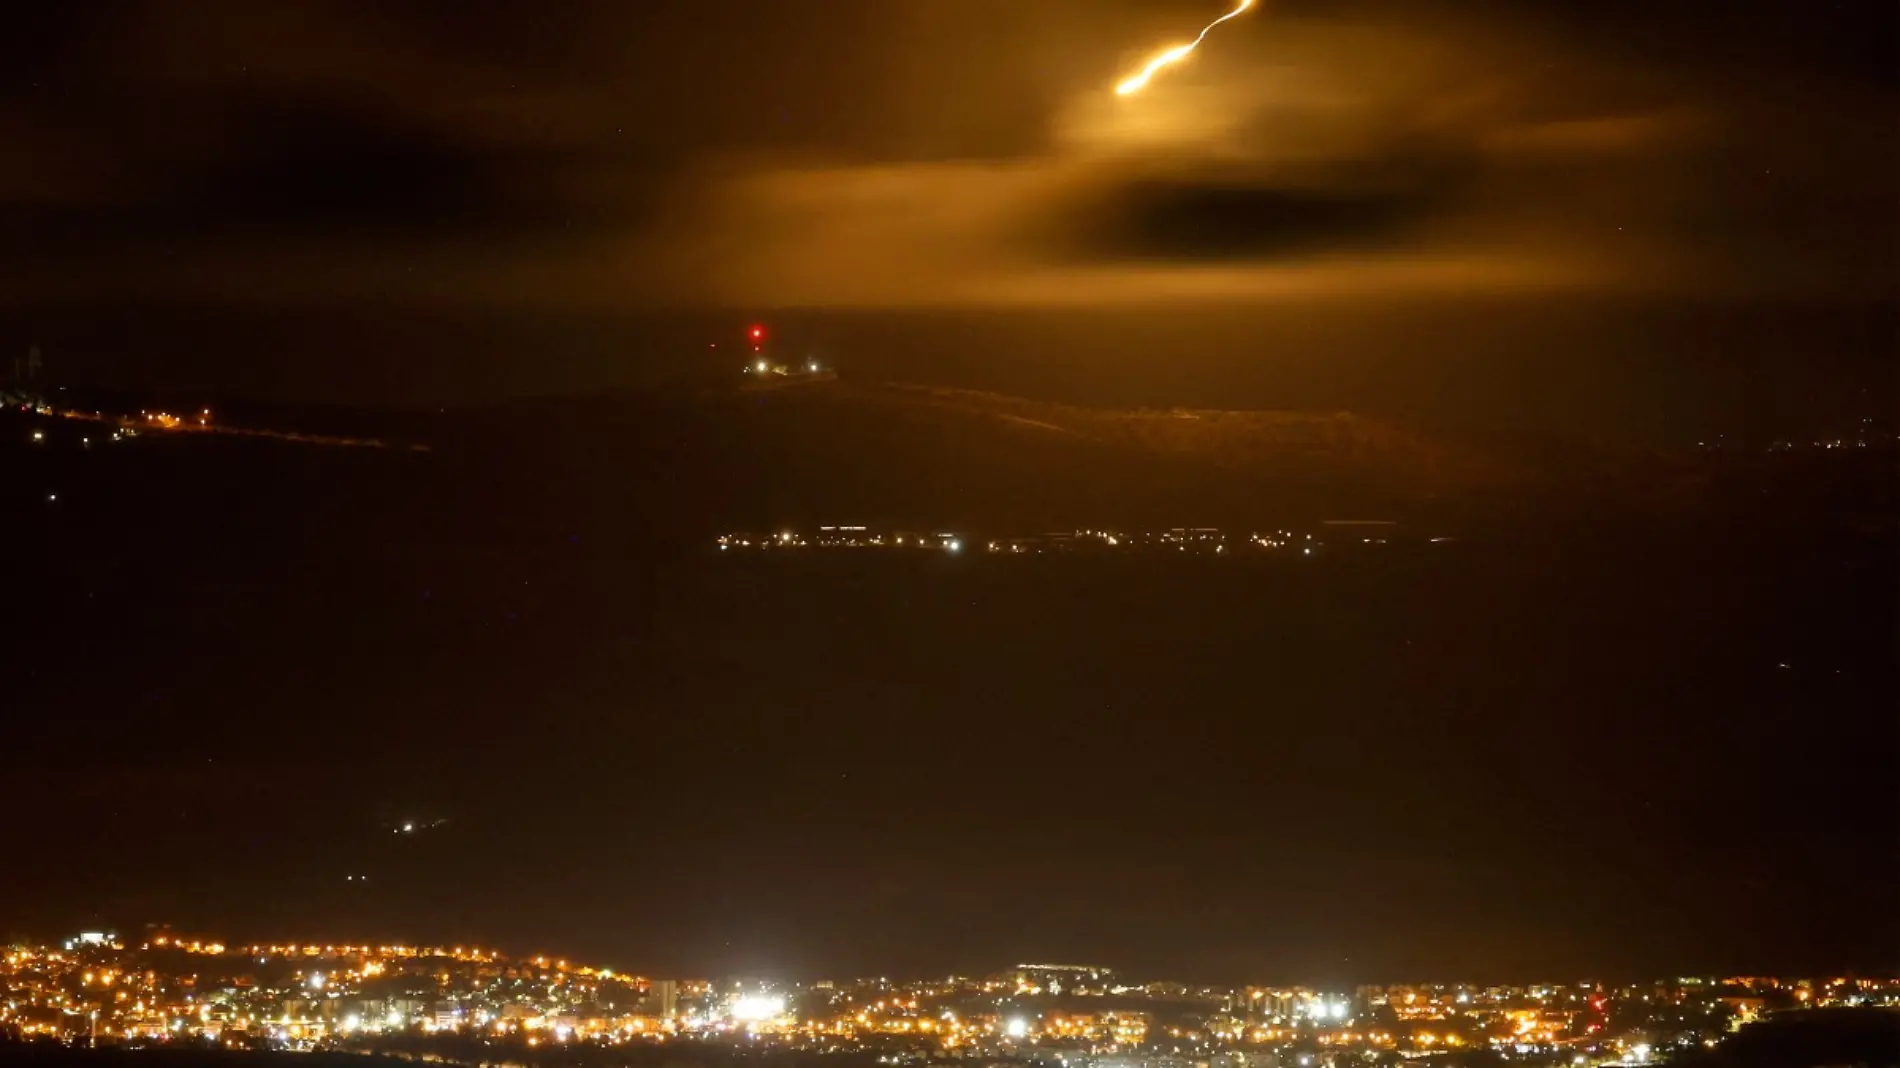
{"points": [[1176, 54]]}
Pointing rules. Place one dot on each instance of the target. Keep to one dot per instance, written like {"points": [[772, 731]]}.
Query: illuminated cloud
{"points": [[1291, 180], [916, 154]]}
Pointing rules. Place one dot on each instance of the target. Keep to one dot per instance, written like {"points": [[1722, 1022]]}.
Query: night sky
{"points": [[1616, 220], [391, 204]]}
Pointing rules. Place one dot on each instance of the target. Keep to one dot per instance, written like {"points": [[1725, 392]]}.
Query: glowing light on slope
{"points": [[1176, 54]]}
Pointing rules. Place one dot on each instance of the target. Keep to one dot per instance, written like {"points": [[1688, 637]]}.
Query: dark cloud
{"points": [[287, 168], [304, 164], [1212, 220]]}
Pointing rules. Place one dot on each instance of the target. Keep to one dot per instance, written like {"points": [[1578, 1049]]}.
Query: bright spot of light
{"points": [[759, 367], [758, 1007], [955, 546], [1017, 1027], [316, 981]]}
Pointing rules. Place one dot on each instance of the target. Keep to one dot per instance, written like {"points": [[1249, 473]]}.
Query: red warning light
{"points": [[757, 333]]}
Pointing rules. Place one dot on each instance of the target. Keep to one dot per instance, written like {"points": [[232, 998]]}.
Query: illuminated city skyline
{"points": [[168, 988]]}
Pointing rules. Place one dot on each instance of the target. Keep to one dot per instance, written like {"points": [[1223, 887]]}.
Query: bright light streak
{"points": [[1176, 54]]}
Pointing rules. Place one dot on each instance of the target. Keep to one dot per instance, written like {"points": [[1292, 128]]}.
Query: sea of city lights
{"points": [[163, 988]]}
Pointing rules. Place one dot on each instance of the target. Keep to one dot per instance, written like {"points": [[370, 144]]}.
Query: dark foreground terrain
{"points": [[346, 637]]}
